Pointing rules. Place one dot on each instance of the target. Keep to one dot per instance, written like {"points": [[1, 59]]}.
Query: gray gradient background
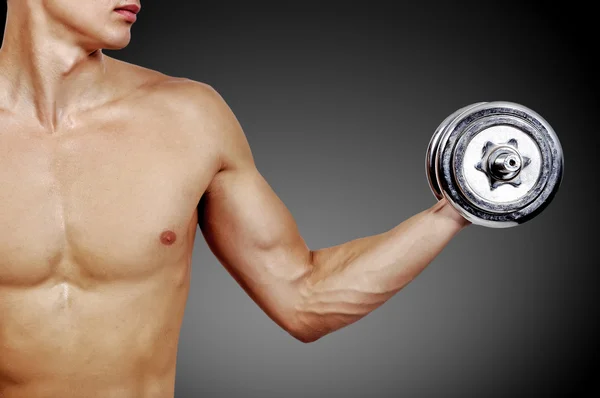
{"points": [[338, 105]]}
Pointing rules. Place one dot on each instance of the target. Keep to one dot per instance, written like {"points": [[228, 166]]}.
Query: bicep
{"points": [[246, 225], [255, 237]]}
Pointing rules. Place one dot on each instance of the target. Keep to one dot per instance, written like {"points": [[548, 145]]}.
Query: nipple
{"points": [[168, 237]]}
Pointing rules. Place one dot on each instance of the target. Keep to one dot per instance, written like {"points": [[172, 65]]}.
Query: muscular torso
{"points": [[97, 224]]}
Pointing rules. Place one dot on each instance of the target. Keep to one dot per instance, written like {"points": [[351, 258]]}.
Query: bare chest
{"points": [[107, 203]]}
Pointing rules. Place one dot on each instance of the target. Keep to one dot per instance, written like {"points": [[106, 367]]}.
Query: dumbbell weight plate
{"points": [[498, 163], [433, 146]]}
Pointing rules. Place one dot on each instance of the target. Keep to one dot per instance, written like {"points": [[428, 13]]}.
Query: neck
{"points": [[45, 74]]}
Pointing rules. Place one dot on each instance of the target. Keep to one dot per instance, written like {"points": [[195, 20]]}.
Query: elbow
{"points": [[305, 329], [307, 340], [301, 330], [304, 335], [300, 322]]}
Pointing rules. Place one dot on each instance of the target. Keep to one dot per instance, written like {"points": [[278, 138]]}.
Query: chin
{"points": [[116, 42], [114, 46]]}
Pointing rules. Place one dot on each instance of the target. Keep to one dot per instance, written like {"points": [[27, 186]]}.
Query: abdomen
{"points": [[117, 336]]}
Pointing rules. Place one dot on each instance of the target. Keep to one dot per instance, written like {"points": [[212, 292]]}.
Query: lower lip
{"points": [[129, 16]]}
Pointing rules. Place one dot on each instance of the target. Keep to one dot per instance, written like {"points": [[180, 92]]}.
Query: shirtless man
{"points": [[107, 169]]}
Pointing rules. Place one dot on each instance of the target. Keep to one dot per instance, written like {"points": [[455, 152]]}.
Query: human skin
{"points": [[108, 169]]}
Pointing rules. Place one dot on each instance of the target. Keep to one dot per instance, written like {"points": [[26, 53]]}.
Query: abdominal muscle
{"points": [[94, 339]]}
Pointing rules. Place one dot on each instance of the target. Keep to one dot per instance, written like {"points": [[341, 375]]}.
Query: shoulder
{"points": [[206, 114], [188, 97], [197, 112], [192, 100], [204, 117]]}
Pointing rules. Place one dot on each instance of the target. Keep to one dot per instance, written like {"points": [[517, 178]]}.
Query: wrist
{"points": [[444, 209]]}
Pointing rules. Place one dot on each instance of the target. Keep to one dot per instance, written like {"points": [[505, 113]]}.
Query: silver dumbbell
{"points": [[498, 163]]}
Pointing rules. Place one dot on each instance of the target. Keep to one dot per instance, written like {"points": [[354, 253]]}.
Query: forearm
{"points": [[350, 280]]}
